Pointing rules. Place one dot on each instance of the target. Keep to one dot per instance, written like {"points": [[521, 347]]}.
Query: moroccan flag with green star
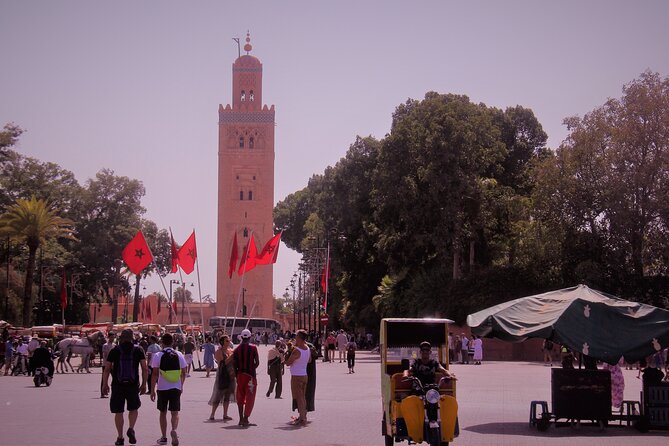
{"points": [[188, 254], [137, 254], [175, 254], [249, 258], [270, 251]]}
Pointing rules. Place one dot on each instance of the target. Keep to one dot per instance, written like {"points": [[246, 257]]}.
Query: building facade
{"points": [[245, 190]]}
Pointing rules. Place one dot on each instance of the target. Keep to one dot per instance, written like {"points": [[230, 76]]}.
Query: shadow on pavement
{"points": [[522, 429]]}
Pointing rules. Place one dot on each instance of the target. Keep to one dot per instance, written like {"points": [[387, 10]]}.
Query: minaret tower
{"points": [[245, 188]]}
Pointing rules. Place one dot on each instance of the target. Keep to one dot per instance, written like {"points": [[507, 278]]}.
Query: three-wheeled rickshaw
{"points": [[410, 411]]}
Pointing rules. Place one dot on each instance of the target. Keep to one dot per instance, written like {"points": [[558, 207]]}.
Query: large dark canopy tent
{"points": [[585, 320]]}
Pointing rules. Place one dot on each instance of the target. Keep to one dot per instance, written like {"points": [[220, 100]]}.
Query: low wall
{"points": [[498, 350]]}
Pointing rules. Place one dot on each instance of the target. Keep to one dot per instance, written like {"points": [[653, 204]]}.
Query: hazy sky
{"points": [[135, 85]]}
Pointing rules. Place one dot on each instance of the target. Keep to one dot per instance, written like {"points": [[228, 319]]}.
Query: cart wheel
{"points": [[544, 422]]}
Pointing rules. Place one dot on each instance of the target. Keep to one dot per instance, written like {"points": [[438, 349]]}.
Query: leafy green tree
{"points": [[24, 177], [607, 186], [33, 222], [110, 213], [429, 175], [8, 137]]}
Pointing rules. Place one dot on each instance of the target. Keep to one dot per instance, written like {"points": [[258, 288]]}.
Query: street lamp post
{"points": [[171, 301], [292, 285]]}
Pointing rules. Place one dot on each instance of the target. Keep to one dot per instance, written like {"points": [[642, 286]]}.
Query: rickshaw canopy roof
{"points": [[413, 331], [594, 323]]}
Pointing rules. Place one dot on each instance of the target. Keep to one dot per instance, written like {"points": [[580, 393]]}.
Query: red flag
{"points": [[63, 292], [269, 251], [325, 278], [249, 258], [187, 254], [175, 254], [234, 256], [137, 254]]}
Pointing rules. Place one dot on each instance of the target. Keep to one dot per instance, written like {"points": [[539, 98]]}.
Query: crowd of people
{"points": [[158, 365], [162, 370], [464, 350]]}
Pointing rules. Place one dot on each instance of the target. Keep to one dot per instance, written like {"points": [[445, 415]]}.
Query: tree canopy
{"points": [[462, 206]]}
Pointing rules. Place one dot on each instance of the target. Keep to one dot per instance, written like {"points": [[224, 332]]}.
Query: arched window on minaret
{"points": [[246, 232], [250, 195], [251, 97], [251, 142], [243, 96], [241, 195], [241, 142]]}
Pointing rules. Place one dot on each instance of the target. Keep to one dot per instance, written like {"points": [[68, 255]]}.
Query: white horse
{"points": [[84, 347]]}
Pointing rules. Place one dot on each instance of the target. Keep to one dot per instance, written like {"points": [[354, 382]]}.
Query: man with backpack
{"points": [[169, 373], [123, 363]]}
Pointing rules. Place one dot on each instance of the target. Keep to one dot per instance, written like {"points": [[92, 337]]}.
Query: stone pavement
{"points": [[493, 397]]}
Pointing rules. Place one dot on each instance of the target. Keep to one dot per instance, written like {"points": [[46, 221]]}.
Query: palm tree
{"points": [[32, 222]]}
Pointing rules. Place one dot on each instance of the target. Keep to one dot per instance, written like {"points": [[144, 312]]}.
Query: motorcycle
{"points": [[42, 377], [430, 399]]}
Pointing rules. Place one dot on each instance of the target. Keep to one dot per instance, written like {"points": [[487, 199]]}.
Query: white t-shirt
{"points": [[342, 341], [164, 384]]}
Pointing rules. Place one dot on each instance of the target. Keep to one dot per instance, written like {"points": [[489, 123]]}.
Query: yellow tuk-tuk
{"points": [[407, 413]]}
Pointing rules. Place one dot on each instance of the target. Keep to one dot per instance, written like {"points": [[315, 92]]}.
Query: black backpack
{"points": [[127, 369], [169, 361]]}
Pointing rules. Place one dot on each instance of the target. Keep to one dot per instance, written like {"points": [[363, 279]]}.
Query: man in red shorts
{"points": [[246, 362]]}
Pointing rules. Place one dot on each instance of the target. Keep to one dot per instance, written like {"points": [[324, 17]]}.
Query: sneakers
{"points": [[131, 435], [119, 442], [162, 440], [175, 438]]}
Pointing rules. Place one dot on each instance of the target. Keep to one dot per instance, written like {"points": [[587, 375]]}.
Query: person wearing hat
{"points": [[123, 363], [425, 368], [246, 362]]}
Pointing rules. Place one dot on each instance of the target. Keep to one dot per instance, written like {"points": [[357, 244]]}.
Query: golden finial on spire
{"points": [[248, 46]]}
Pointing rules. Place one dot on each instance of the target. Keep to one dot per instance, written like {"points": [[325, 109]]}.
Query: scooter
{"points": [[429, 399], [42, 377]]}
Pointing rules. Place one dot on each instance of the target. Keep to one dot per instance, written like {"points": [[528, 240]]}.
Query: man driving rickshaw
{"points": [[419, 401], [425, 368]]}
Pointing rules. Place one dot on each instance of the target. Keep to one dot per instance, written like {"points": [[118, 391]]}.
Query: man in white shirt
{"points": [[342, 342], [169, 375]]}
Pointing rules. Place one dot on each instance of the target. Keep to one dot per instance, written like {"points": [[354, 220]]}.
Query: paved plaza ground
{"points": [[494, 407]]}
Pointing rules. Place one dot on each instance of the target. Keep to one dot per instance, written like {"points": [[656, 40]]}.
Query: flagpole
{"points": [[327, 285], [199, 288], [241, 284], [227, 299]]}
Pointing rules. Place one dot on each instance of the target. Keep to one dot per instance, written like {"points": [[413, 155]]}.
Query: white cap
{"points": [[245, 334]]}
